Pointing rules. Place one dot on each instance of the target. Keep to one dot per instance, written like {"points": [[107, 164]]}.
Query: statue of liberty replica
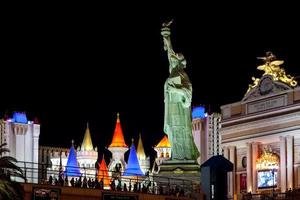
{"points": [[182, 163], [178, 98]]}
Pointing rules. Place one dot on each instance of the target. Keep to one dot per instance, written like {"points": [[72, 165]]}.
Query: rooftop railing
{"points": [[154, 184]]}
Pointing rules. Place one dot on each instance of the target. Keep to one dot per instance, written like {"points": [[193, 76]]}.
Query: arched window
{"points": [[167, 155], [162, 154]]}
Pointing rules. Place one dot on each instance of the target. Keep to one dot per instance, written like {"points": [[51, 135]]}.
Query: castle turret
{"points": [[118, 148], [163, 149], [143, 160], [87, 156], [103, 173], [72, 169], [133, 167]]}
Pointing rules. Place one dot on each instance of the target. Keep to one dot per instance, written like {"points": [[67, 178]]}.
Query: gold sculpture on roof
{"points": [[272, 67], [268, 160], [254, 84]]}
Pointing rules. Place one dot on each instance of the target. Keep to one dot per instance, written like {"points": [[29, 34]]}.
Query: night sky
{"points": [[69, 66]]}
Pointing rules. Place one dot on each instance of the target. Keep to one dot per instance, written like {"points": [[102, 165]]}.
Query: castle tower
{"points": [[118, 148], [72, 169], [87, 156], [133, 167], [143, 160], [163, 149], [22, 138], [103, 173]]}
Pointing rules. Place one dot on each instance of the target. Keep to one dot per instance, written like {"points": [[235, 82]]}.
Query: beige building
{"points": [[261, 134]]}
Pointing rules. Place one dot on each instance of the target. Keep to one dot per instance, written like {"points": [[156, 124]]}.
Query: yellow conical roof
{"points": [[140, 150], [87, 144]]}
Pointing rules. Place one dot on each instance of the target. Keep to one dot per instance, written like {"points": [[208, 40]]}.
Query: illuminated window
{"points": [[167, 155]]}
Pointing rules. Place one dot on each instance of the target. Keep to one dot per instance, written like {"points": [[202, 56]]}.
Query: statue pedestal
{"points": [[182, 173]]}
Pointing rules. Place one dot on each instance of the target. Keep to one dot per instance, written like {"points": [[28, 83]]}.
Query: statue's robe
{"points": [[177, 122]]}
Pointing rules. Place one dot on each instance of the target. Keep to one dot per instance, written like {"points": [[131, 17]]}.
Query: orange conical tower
{"points": [[118, 138], [163, 149], [103, 173], [118, 148]]}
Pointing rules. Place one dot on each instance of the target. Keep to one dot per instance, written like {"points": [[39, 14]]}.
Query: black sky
{"points": [[68, 66]]}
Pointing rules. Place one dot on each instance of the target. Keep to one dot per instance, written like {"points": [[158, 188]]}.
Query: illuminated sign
{"points": [[266, 179], [19, 118], [114, 196], [198, 112]]}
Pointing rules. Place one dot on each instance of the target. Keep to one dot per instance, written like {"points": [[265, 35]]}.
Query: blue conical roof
{"points": [[133, 166], [72, 168]]}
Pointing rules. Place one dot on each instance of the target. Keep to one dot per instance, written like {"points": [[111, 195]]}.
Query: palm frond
{"points": [[3, 149], [10, 190], [8, 162]]}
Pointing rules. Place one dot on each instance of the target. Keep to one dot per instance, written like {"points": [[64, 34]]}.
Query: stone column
{"points": [[35, 147], [249, 167], [282, 164], [226, 152], [232, 174], [226, 155], [290, 161], [254, 172]]}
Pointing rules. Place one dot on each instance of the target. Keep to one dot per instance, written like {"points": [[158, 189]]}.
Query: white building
{"points": [[22, 138], [205, 129]]}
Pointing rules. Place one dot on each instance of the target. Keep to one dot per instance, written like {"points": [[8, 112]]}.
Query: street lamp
{"points": [[273, 174]]}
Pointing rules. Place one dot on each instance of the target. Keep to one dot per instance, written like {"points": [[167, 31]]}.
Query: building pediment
{"points": [[274, 80], [266, 86]]}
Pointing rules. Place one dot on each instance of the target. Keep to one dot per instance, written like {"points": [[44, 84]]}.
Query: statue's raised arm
{"points": [[166, 32]]}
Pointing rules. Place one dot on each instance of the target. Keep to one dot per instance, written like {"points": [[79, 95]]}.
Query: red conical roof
{"points": [[118, 138], [103, 173]]}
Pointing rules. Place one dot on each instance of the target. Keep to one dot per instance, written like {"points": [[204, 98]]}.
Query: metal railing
{"points": [[40, 173], [289, 195]]}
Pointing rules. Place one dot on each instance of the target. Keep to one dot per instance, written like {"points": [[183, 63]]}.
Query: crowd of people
{"points": [[77, 182], [116, 185]]}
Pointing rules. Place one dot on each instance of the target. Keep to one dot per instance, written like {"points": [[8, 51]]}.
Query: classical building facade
{"points": [[22, 139], [261, 134]]}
